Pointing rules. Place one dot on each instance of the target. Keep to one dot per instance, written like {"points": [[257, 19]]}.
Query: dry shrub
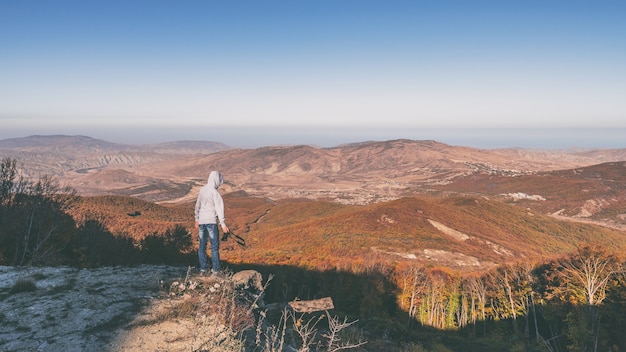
{"points": [[198, 297], [24, 285], [187, 308]]}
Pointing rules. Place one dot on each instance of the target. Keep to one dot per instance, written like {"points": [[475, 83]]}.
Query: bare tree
{"points": [[514, 284], [586, 275], [335, 327], [414, 280], [306, 330], [477, 288]]}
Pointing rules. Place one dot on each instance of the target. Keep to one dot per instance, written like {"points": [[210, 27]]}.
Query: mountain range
{"points": [[359, 173], [399, 199]]}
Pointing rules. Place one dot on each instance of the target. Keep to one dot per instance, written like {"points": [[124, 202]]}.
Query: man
{"points": [[209, 210]]}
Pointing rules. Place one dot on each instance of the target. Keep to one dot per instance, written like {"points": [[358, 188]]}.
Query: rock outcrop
{"points": [[112, 308]]}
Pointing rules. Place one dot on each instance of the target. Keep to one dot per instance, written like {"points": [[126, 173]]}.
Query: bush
{"points": [[23, 285]]}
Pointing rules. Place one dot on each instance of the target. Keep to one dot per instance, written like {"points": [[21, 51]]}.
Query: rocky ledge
{"points": [[103, 309]]}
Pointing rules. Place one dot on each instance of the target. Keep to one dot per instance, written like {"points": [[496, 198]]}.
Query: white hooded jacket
{"points": [[210, 205]]}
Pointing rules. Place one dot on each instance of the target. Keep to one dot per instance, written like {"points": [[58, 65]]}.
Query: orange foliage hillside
{"points": [[463, 233], [132, 217]]}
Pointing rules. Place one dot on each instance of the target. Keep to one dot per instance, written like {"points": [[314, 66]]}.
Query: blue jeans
{"points": [[210, 231]]}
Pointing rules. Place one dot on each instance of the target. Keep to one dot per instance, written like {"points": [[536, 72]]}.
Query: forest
{"points": [[570, 302]]}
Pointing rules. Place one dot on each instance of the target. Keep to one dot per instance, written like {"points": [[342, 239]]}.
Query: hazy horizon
{"points": [[238, 137]]}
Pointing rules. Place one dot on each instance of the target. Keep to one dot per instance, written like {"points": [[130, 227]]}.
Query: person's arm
{"points": [[219, 209], [197, 211]]}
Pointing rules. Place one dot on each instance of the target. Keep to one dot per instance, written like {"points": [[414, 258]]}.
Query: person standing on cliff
{"points": [[209, 211]]}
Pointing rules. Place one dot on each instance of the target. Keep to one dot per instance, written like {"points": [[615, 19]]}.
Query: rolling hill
{"points": [[464, 233], [401, 200], [359, 173], [594, 193], [68, 157]]}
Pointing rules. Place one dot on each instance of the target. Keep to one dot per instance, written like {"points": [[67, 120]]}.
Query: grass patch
{"points": [[39, 276], [188, 308], [23, 285]]}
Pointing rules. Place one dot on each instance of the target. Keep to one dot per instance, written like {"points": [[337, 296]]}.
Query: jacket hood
{"points": [[215, 179]]}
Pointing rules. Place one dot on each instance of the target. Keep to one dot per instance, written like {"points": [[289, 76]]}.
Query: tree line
{"points": [[572, 303]]}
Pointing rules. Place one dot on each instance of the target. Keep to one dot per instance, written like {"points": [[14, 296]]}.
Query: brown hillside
{"points": [[69, 157], [127, 183], [462, 232], [354, 174], [359, 173], [595, 193]]}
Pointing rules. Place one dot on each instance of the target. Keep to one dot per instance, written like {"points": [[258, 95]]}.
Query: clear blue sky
{"points": [[274, 72]]}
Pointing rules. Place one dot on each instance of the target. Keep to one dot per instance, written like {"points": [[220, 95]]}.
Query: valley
{"points": [[352, 192], [582, 185], [429, 240]]}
